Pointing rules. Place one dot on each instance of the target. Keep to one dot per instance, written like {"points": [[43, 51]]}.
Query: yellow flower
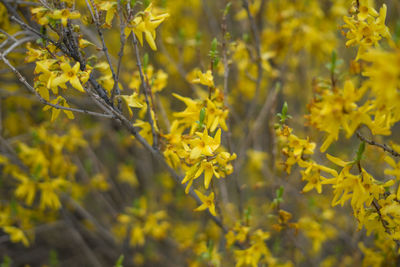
{"points": [[204, 78], [132, 101], [216, 116], [146, 130], [49, 197], [70, 74], [56, 111], [208, 202], [191, 114], [396, 167], [26, 188], [64, 15], [146, 23], [365, 10], [209, 170], [206, 145], [16, 235], [110, 7]]}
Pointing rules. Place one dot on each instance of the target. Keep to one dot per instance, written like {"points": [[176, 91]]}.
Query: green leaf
{"points": [[6, 261], [198, 38], [279, 192], [247, 214], [119, 261], [202, 115], [214, 52], [53, 259], [227, 8], [283, 115], [360, 151]]}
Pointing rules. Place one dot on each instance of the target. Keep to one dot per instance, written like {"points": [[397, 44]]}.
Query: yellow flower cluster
{"points": [[138, 222], [42, 172], [146, 23], [197, 150], [366, 27]]}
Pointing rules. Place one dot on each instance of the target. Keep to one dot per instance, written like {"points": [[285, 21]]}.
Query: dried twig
{"points": [[146, 91], [382, 146]]}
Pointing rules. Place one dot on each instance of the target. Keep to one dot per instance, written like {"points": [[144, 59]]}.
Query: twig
{"points": [[116, 90], [27, 3], [106, 235], [223, 189], [255, 127], [155, 153], [257, 44], [96, 19], [382, 146], [146, 90], [182, 72], [65, 50], [77, 236], [41, 99], [17, 43]]}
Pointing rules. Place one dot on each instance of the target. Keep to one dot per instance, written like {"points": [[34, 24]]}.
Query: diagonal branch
{"points": [[146, 90], [41, 99], [384, 147]]}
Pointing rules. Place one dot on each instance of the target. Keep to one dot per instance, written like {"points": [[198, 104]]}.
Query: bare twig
{"points": [[16, 44], [257, 43], [79, 239], [25, 3], [384, 147], [146, 90], [96, 19], [116, 90]]}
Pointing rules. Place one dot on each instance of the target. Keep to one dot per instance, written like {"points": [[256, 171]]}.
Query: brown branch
{"points": [[41, 99], [67, 52], [257, 44], [96, 19], [154, 152], [116, 90], [146, 90], [384, 147]]}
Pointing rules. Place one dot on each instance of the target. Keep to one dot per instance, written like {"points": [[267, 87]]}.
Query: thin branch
{"points": [[223, 188], [89, 255], [182, 72], [26, 3], [85, 214], [116, 90], [257, 44], [104, 103], [16, 44], [96, 19], [155, 153], [146, 90], [65, 50], [41, 99], [382, 146]]}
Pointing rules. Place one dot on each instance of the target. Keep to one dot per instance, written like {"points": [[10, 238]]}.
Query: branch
{"points": [[382, 146], [65, 50], [41, 99], [116, 90], [96, 19], [16, 44], [154, 152], [146, 90], [257, 44]]}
